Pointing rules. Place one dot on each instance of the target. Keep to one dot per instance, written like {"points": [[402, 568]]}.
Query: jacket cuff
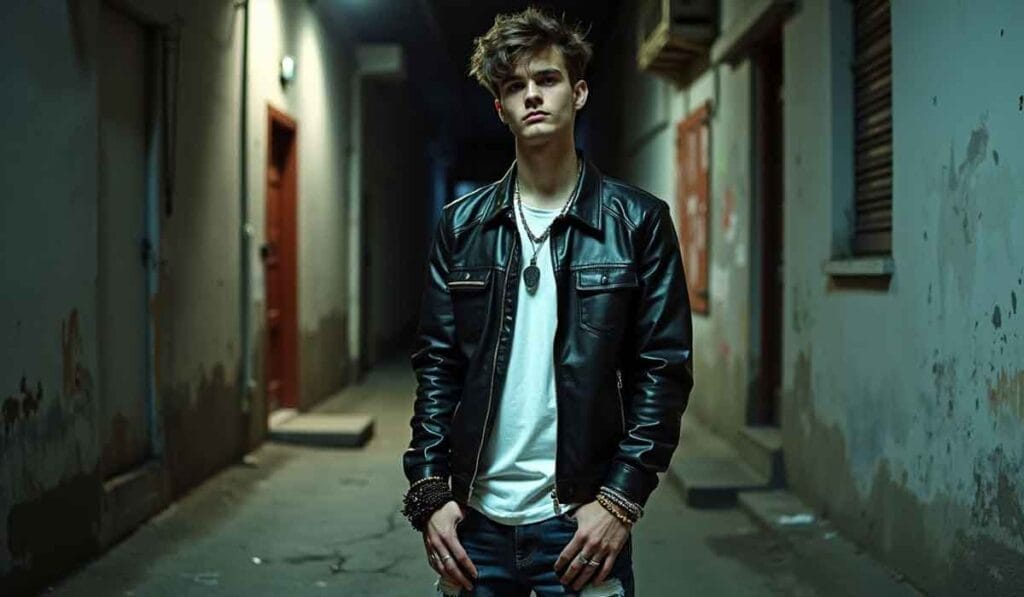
{"points": [[631, 482], [427, 470]]}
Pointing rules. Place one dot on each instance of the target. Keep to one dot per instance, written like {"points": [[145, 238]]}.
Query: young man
{"points": [[553, 355]]}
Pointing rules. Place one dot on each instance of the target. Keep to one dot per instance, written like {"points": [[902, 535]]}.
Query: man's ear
{"points": [[497, 108], [580, 92]]}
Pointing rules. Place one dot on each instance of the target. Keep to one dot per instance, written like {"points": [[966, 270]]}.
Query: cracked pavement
{"points": [[296, 520]]}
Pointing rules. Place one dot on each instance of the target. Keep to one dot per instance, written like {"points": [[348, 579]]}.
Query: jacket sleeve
{"points": [[662, 371], [439, 366]]}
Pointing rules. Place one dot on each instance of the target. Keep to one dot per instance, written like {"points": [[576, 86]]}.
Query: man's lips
{"points": [[534, 116]]}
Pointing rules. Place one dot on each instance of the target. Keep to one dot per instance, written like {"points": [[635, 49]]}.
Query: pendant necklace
{"points": [[532, 273]]}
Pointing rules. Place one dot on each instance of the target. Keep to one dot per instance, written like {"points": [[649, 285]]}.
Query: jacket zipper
{"points": [[513, 258], [618, 385], [558, 435]]}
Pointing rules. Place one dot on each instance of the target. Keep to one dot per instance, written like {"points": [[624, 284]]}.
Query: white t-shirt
{"points": [[517, 468]]}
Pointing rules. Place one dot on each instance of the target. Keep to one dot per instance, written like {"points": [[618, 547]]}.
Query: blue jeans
{"points": [[512, 560]]}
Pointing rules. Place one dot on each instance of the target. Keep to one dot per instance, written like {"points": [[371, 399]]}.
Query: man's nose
{"points": [[532, 96]]}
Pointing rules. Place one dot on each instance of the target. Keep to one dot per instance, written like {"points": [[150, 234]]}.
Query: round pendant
{"points": [[532, 277]]}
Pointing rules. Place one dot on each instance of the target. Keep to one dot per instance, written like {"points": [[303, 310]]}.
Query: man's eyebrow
{"points": [[544, 71]]}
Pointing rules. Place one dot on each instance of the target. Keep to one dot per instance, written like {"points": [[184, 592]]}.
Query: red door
{"points": [[279, 263]]}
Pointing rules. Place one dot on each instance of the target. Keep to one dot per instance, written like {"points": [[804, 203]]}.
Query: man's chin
{"points": [[537, 134]]}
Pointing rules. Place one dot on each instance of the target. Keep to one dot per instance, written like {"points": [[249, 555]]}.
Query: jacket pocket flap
{"points": [[469, 279], [605, 278]]}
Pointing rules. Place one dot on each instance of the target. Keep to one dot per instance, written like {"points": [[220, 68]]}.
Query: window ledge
{"points": [[860, 267]]}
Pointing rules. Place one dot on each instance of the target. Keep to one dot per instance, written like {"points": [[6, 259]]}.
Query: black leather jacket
{"points": [[622, 348]]}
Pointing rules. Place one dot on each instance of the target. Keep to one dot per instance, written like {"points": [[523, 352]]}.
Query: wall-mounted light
{"points": [[287, 70]]}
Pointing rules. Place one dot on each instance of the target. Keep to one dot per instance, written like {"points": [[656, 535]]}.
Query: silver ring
{"points": [[584, 559], [446, 558], [593, 563]]}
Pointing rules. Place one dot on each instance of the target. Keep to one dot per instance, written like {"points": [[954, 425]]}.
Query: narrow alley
{"points": [[282, 281]]}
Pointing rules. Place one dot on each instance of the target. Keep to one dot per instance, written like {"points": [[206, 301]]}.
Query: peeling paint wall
{"points": [[902, 408], [51, 438], [48, 298], [902, 411]]}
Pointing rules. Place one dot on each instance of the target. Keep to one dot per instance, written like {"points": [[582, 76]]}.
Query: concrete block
{"points": [[714, 481], [332, 430], [761, 448]]}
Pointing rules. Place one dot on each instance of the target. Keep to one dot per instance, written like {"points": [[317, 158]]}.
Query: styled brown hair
{"points": [[515, 36]]}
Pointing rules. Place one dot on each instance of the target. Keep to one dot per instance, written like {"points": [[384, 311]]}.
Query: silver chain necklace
{"points": [[532, 273]]}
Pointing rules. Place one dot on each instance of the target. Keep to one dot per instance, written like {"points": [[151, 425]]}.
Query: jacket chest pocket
{"points": [[469, 291], [603, 296]]}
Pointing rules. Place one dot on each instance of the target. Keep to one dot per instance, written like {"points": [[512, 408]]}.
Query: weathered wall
{"points": [[319, 101], [196, 306], [51, 492], [904, 411], [647, 109], [48, 360]]}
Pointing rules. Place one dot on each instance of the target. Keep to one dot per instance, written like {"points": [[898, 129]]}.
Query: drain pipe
{"points": [[245, 232]]}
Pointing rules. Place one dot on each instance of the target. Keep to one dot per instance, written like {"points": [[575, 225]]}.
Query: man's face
{"points": [[538, 101]]}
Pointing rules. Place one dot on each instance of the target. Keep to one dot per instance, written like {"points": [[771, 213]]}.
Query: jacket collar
{"points": [[585, 211]]}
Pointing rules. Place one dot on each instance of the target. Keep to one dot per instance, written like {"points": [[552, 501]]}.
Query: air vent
{"points": [[675, 36]]}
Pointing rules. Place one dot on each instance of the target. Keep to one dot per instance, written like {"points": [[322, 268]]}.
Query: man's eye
{"points": [[550, 80], [513, 87]]}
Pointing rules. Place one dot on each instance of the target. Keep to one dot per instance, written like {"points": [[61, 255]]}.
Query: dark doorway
{"points": [[280, 262], [768, 256]]}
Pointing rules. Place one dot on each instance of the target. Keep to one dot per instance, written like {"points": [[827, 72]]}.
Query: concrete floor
{"points": [[308, 521]]}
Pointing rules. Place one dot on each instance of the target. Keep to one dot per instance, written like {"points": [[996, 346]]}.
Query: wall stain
{"points": [[22, 405], [11, 412], [959, 215], [937, 543], [51, 533], [1008, 390], [997, 317], [204, 427]]}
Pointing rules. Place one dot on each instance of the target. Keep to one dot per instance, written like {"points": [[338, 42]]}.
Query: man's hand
{"points": [[444, 551], [600, 537]]}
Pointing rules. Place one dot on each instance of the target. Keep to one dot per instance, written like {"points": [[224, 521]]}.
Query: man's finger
{"points": [[452, 567], [586, 570], [455, 548], [606, 568], [569, 552], [446, 565], [575, 566]]}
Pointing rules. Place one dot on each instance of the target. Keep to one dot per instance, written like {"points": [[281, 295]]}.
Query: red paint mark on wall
{"points": [[76, 378], [728, 210], [1008, 390]]}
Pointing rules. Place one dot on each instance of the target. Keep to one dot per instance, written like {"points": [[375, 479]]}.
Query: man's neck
{"points": [[547, 173]]}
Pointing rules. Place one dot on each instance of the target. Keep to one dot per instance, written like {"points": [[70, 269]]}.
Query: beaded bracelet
{"points": [[632, 509], [622, 500], [609, 506], [626, 505], [423, 498]]}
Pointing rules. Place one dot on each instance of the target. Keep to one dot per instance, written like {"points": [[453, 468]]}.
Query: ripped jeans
{"points": [[513, 560]]}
